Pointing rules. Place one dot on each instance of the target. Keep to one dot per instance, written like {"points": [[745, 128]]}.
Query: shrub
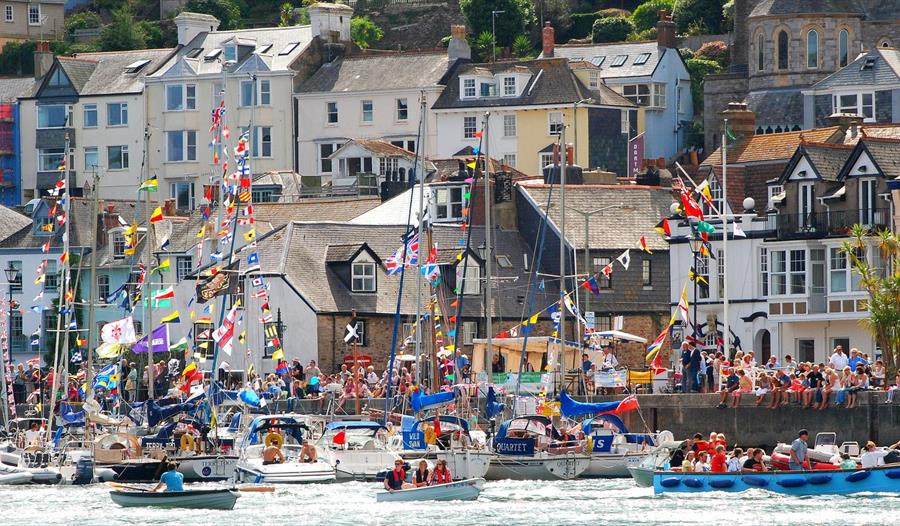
{"points": [[642, 36], [364, 32], [611, 29], [699, 68], [698, 16], [647, 15], [521, 47], [717, 51]]}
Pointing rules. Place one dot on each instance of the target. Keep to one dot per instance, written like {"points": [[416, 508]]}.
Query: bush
{"points": [[518, 16], [698, 16], [82, 20], [522, 48], [582, 24], [227, 11], [482, 46], [699, 68], [364, 32], [647, 15], [122, 33], [643, 36], [613, 12], [716, 51], [559, 15], [611, 29]]}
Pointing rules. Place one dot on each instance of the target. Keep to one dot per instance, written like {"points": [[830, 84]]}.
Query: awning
{"points": [[618, 335]]}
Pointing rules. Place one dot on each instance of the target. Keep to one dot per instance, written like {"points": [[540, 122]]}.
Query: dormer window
{"points": [[363, 274], [44, 225], [469, 272], [468, 88], [230, 52], [117, 242], [448, 203], [488, 89], [509, 86]]}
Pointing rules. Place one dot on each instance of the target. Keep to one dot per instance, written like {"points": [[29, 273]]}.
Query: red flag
{"points": [[339, 439], [657, 365], [629, 403], [437, 426], [643, 244], [691, 208]]}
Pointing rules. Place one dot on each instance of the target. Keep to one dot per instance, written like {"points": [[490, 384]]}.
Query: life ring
{"points": [[274, 439], [187, 442], [430, 435]]}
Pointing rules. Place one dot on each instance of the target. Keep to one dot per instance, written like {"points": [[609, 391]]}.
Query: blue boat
{"points": [[881, 479]]}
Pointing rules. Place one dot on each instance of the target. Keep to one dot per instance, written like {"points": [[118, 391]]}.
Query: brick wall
{"points": [[332, 349]]}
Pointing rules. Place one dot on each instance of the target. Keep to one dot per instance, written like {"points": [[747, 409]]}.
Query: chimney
{"points": [[330, 22], [741, 120], [169, 208], [110, 217], [665, 30], [189, 25], [848, 122], [458, 47], [548, 36], [43, 59]]}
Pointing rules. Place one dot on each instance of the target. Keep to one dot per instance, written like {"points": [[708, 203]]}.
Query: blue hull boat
{"points": [[882, 479]]}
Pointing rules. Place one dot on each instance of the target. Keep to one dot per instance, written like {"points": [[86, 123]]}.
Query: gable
{"points": [[803, 170], [181, 68], [253, 64], [864, 166], [57, 84]]}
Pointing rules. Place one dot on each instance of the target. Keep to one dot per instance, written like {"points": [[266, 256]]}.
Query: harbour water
{"points": [[507, 503]]}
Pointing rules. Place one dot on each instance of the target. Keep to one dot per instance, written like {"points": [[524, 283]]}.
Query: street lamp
{"points": [[12, 277], [696, 245], [494, 34]]}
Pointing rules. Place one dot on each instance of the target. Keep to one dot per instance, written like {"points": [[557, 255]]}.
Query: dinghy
{"points": [[210, 499], [468, 489]]}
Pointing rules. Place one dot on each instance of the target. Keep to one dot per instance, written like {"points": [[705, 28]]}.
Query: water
{"points": [[506, 503]]}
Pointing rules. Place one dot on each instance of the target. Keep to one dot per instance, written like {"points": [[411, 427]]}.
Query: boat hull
{"points": [[537, 468], [253, 471], [468, 489], [213, 499], [609, 465], [207, 468], [642, 476], [466, 464], [884, 479]]}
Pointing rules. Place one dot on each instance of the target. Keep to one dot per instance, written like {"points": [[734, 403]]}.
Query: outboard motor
{"points": [[84, 471]]}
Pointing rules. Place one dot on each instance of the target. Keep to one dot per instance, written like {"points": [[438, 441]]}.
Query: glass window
{"points": [[16, 285], [181, 146], [102, 286], [469, 332], [720, 273], [263, 146], [117, 157], [218, 94], [51, 276], [183, 266], [363, 275], [402, 110], [509, 125], [9, 13], [91, 158], [190, 96], [50, 159], [52, 116], [812, 49], [783, 50], [325, 150], [545, 159], [637, 93], [58, 79], [594, 80], [619, 61], [760, 52], [34, 14], [702, 272], [509, 86], [647, 273], [488, 89], [838, 270], [265, 92], [248, 95], [764, 272], [471, 285], [778, 273], [798, 271], [554, 122], [230, 52], [509, 159], [117, 114], [468, 88], [642, 59], [332, 110], [90, 115], [368, 111], [843, 48], [449, 203], [118, 244], [175, 97], [183, 194], [659, 95], [469, 127], [862, 104], [603, 282]]}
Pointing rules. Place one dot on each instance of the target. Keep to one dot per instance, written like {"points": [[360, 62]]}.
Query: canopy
{"points": [[450, 419], [618, 335], [615, 421], [491, 406], [541, 350], [569, 407], [421, 402], [354, 424]]}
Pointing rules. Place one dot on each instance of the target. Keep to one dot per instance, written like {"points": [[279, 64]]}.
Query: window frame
{"points": [[702, 271], [366, 116], [859, 107], [642, 95], [15, 286], [331, 111], [647, 272], [838, 265], [362, 275], [46, 107], [510, 159], [103, 282], [510, 125], [658, 95], [184, 265], [470, 126], [122, 114], [47, 153], [599, 262], [797, 277], [843, 47], [401, 105], [9, 14], [510, 89], [782, 50], [175, 190], [555, 123], [51, 276], [545, 159], [123, 154], [259, 145], [469, 331], [470, 274], [448, 203], [90, 108], [31, 14], [760, 52], [467, 85], [324, 158], [88, 167], [812, 49], [188, 151]]}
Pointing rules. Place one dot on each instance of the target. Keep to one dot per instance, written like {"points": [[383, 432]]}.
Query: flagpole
{"points": [[725, 345], [147, 293], [488, 261], [420, 171], [563, 151]]}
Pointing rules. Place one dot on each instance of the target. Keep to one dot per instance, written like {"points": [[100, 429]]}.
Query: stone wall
{"points": [[718, 91]]}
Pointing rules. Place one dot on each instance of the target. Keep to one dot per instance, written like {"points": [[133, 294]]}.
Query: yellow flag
{"points": [[533, 319], [202, 232], [250, 235], [278, 355], [165, 265]]}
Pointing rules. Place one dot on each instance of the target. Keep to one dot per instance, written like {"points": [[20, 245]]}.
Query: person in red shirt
{"points": [[718, 461]]}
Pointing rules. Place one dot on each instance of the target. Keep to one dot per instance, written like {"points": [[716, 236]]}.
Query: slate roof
{"points": [[79, 70], [379, 72], [13, 88], [278, 37], [827, 159], [551, 82], [110, 75], [593, 52], [376, 146], [289, 181], [784, 106], [303, 249], [769, 147], [884, 71], [802, 7], [615, 229], [11, 222], [886, 153]]}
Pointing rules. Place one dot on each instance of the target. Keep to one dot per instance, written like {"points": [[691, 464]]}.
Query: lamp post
{"points": [[696, 245], [494, 34], [12, 277]]}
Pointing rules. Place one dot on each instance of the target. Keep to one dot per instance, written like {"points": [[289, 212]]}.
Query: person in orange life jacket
{"points": [[699, 444], [396, 478], [421, 475], [441, 475]]}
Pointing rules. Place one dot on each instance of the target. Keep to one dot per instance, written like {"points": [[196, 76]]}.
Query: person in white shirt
{"points": [[839, 360], [872, 457], [609, 359], [734, 463], [33, 435]]}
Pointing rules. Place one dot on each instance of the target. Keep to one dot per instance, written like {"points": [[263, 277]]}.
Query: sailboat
{"points": [[357, 450]]}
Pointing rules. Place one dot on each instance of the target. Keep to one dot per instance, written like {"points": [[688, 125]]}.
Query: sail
{"points": [[571, 408], [492, 407], [421, 402]]}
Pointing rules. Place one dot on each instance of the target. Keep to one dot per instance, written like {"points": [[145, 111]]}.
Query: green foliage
{"points": [[482, 46], [647, 14], [699, 68], [698, 16], [717, 51], [613, 12], [227, 11], [582, 24], [364, 32], [611, 29], [285, 13], [518, 16], [522, 48], [154, 35], [642, 36], [82, 20], [558, 13], [122, 32]]}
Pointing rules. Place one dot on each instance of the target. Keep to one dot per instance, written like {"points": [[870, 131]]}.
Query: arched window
{"points": [[812, 49], [782, 50], [843, 47], [760, 57]]}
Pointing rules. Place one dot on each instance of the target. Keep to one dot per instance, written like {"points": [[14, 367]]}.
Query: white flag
{"points": [[121, 331], [738, 232], [625, 258], [224, 334]]}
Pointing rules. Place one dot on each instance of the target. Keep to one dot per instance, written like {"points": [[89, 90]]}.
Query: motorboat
{"points": [[654, 461], [881, 479], [445, 438], [529, 448], [468, 489], [825, 453], [210, 499], [356, 449], [286, 431]]}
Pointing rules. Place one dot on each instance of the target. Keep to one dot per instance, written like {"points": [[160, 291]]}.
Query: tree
{"points": [[693, 16], [482, 46], [517, 17], [364, 32], [611, 29], [522, 47], [558, 13], [647, 14], [82, 20], [122, 32], [717, 51], [699, 68], [880, 283], [227, 11]]}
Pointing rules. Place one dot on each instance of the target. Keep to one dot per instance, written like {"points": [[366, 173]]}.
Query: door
{"points": [[867, 201], [806, 350], [805, 205], [817, 285]]}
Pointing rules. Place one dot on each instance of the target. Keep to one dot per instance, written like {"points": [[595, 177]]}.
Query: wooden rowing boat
{"points": [[214, 499]]}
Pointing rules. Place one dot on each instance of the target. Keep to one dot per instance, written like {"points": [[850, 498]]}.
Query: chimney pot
{"points": [[548, 37], [43, 59], [741, 120], [665, 30]]}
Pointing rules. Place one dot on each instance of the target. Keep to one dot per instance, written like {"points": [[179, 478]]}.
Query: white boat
{"points": [[289, 431], [643, 472], [526, 448], [211, 499], [453, 444], [206, 468], [614, 450], [357, 450], [468, 489]]}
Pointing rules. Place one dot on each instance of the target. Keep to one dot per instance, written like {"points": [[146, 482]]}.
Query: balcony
{"points": [[835, 223]]}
